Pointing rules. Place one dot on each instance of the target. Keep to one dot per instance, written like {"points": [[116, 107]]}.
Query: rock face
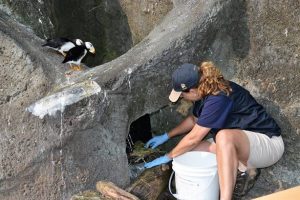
{"points": [[254, 42], [144, 15], [271, 72]]}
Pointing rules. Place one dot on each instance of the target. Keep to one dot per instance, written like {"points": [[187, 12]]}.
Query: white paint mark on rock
{"points": [[58, 101]]}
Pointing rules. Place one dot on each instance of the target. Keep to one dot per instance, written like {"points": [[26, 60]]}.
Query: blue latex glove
{"points": [[158, 161], [157, 140]]}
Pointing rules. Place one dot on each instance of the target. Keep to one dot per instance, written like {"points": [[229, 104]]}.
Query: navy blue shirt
{"points": [[239, 110]]}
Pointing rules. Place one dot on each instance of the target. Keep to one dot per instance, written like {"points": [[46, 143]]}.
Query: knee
{"points": [[224, 137]]}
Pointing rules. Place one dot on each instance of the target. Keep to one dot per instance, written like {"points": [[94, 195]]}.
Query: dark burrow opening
{"points": [[142, 130], [139, 130], [145, 127], [139, 133]]}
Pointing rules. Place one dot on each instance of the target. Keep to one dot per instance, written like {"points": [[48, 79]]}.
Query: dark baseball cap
{"points": [[184, 78]]}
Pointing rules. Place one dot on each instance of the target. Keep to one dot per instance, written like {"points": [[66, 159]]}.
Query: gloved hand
{"points": [[157, 140], [158, 161]]}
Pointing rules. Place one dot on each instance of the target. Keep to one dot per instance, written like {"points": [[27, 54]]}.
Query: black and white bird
{"points": [[62, 45], [77, 53]]}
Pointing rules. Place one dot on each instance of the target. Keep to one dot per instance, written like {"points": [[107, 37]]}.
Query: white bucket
{"points": [[196, 176]]}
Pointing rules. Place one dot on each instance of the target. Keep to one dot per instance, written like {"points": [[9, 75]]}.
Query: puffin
{"points": [[62, 45], [77, 53]]}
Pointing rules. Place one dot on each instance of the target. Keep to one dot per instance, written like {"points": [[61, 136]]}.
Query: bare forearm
{"points": [[185, 145], [185, 126], [190, 141]]}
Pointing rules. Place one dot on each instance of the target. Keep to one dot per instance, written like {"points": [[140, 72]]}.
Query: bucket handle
{"points": [[170, 181], [177, 195]]}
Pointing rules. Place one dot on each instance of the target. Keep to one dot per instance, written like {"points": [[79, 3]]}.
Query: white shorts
{"points": [[264, 151]]}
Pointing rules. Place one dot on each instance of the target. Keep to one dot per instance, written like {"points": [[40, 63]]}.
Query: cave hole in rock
{"points": [[139, 130], [139, 134], [145, 127]]}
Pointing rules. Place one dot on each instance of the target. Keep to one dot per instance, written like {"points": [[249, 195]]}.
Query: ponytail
{"points": [[212, 81]]}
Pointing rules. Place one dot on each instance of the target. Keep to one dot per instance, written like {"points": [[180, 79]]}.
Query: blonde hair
{"points": [[212, 81]]}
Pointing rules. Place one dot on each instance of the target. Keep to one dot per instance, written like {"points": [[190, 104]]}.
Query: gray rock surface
{"points": [[271, 72], [55, 157], [144, 15]]}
